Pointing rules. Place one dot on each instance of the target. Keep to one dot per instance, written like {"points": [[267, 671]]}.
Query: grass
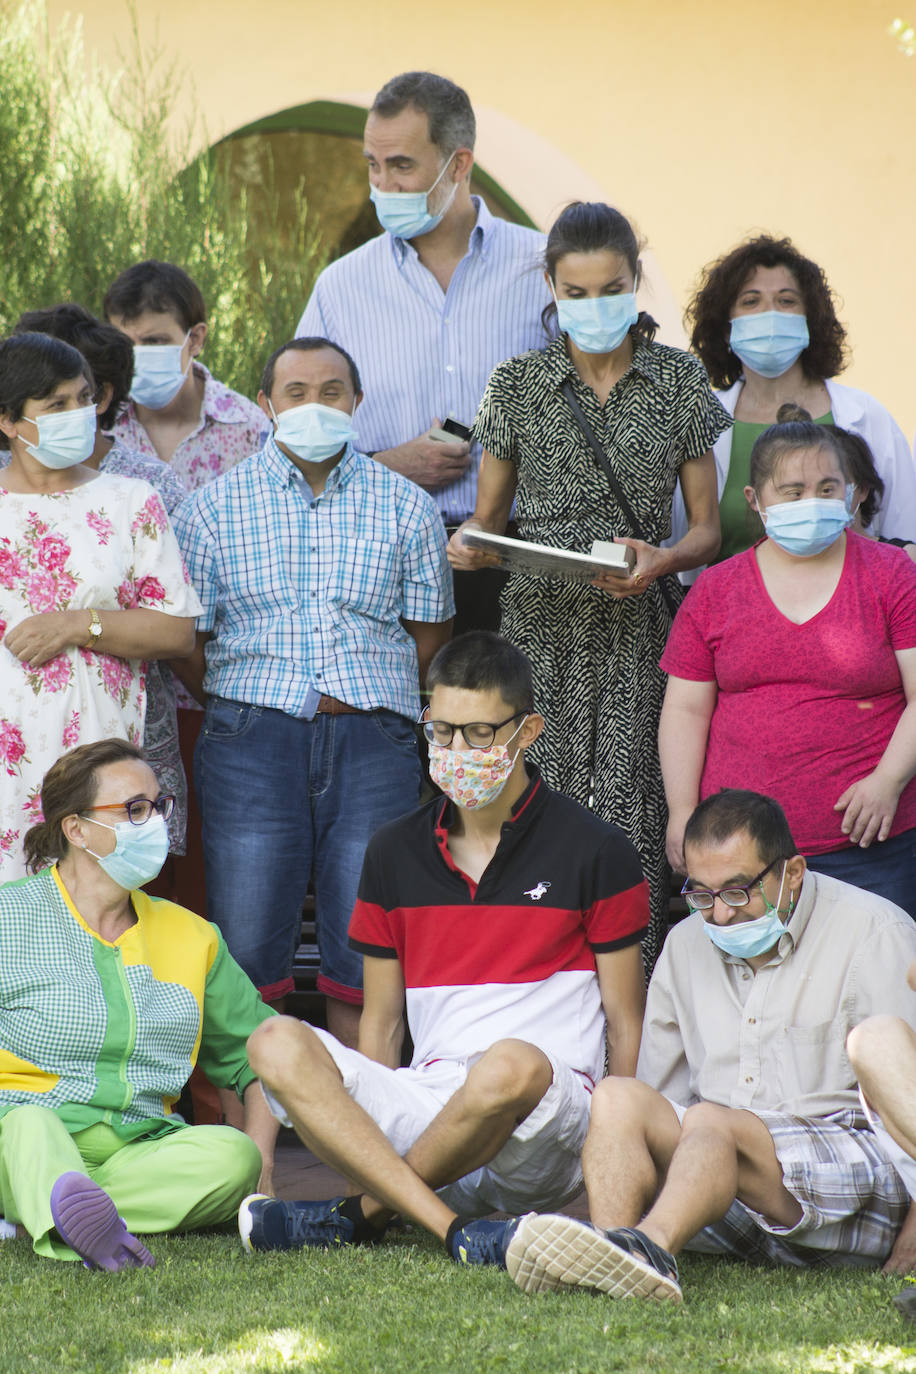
{"points": [[208, 1308]]}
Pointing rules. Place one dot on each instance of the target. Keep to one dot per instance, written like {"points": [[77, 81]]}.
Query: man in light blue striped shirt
{"points": [[326, 592], [431, 306]]}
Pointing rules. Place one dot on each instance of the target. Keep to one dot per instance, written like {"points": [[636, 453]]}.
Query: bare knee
{"points": [[283, 1050], [511, 1073], [708, 1117], [876, 1042], [623, 1104]]}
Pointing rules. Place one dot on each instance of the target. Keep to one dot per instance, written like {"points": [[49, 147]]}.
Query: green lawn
{"points": [[209, 1308]]}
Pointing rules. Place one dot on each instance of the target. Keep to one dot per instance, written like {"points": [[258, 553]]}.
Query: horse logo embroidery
{"points": [[537, 892]]}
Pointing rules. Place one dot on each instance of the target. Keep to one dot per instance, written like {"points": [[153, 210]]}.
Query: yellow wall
{"points": [[700, 121]]}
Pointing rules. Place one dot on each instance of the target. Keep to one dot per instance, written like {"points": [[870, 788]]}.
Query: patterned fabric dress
{"points": [[106, 544], [595, 660]]}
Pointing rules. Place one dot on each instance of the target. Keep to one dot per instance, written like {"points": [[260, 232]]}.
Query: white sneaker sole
{"points": [[523, 1257], [560, 1252], [245, 1221]]}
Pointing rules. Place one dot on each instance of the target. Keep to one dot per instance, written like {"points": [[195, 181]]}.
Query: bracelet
{"points": [[95, 630]]}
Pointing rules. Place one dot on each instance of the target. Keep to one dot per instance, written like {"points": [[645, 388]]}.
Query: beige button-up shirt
{"points": [[775, 1041]]}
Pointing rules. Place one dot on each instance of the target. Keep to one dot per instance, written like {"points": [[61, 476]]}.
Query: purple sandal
{"points": [[88, 1221]]}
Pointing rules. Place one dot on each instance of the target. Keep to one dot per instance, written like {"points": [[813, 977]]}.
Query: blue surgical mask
{"points": [[139, 852], [768, 342], [808, 527], [405, 214], [158, 374], [64, 438], [598, 324], [747, 939], [313, 432]]}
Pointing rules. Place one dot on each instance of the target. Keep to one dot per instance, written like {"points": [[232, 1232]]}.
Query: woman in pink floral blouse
{"points": [[91, 582]]}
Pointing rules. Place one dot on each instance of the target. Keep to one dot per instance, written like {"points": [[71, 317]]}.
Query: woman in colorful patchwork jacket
{"points": [[108, 998]]}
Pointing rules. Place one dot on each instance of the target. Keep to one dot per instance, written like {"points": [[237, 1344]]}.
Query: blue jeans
{"points": [[285, 801], [886, 867]]}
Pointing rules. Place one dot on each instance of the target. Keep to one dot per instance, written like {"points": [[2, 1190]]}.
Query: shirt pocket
{"points": [[367, 580], [809, 1050]]}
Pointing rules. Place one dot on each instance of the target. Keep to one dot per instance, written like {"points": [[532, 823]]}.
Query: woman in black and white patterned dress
{"points": [[595, 649]]}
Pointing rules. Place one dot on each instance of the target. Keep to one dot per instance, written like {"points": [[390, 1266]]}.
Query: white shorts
{"points": [[538, 1169]]}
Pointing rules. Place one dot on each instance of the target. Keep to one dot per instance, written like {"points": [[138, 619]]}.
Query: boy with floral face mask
{"points": [[506, 920]]}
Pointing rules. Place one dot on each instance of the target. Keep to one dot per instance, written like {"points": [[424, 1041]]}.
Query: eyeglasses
{"points": [[139, 809], [703, 898], [477, 734]]}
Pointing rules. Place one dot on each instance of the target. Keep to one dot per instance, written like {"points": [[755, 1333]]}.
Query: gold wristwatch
{"points": [[95, 631]]}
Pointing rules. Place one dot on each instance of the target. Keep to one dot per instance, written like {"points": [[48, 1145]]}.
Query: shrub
{"points": [[97, 173]]}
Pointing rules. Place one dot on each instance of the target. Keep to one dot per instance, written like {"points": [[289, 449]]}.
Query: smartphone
{"points": [[450, 431]]}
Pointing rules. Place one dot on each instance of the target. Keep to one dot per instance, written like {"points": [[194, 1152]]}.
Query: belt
{"points": [[330, 706]]}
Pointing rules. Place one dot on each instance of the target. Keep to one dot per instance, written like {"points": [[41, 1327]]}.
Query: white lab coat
{"points": [[854, 410]]}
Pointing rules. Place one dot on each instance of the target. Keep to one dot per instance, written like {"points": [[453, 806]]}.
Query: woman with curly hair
{"points": [[764, 325]]}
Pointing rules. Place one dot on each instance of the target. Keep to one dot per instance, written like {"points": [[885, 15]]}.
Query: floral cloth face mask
{"points": [[472, 777]]}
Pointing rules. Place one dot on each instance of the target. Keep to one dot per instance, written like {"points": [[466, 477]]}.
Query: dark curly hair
{"points": [[709, 312], [590, 227]]}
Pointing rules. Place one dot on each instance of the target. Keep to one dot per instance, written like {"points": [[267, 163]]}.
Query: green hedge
{"points": [[97, 172]]}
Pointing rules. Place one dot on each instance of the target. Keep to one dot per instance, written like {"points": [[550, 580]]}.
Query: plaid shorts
{"points": [[853, 1200]]}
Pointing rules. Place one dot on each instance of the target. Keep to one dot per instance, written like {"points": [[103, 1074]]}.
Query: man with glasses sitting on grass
{"points": [[507, 918], [745, 1135]]}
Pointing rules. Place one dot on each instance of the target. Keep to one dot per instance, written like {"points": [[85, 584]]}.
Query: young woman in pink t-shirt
{"points": [[792, 671]]}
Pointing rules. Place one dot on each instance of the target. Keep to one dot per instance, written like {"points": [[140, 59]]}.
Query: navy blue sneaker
{"points": [[265, 1223], [480, 1242]]}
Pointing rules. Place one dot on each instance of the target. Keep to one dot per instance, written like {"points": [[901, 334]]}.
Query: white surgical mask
{"points": [[312, 431], [139, 852], [65, 438], [598, 324], [406, 214], [158, 374], [769, 341]]}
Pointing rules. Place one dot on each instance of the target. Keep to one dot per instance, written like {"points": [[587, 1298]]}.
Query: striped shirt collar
{"points": [[284, 472], [560, 365], [478, 242]]}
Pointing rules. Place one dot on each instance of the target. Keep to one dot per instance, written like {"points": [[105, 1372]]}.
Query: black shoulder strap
{"points": [[605, 464]]}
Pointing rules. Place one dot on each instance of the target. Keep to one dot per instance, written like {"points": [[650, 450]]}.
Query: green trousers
{"points": [[192, 1177]]}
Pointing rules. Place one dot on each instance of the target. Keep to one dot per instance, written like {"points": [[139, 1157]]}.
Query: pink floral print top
{"points": [[231, 427], [107, 544]]}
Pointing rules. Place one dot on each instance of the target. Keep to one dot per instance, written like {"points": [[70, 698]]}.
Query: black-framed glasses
{"points": [[703, 898], [477, 734], [139, 809]]}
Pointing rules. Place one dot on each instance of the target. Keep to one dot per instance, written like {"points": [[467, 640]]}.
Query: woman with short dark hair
{"points": [[765, 327], [595, 649], [792, 672], [92, 584], [107, 1000]]}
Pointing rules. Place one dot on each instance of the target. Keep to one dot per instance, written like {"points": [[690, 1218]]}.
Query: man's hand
{"points": [[428, 462], [903, 1256], [869, 807], [41, 637]]}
